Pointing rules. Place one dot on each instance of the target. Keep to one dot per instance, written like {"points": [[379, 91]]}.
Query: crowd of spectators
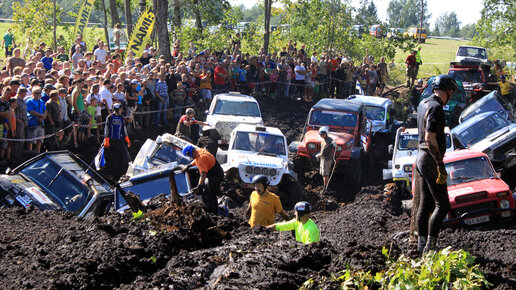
{"points": [[68, 93]]}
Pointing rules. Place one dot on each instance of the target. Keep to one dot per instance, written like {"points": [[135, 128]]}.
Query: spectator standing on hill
{"points": [[37, 113], [411, 68], [8, 42], [300, 72], [382, 75], [15, 61]]}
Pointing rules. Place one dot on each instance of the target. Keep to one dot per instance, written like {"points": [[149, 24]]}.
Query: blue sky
{"points": [[468, 11]]}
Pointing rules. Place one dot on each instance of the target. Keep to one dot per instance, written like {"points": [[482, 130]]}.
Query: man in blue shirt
{"points": [[36, 114], [47, 60]]}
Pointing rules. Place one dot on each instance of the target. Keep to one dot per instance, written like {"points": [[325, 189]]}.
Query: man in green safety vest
{"points": [[418, 60], [305, 229]]}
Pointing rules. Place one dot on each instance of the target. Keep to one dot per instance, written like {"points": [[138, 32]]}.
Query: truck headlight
{"points": [[257, 170], [407, 168], [339, 148], [273, 172], [502, 194], [218, 125], [265, 171], [249, 169], [311, 146], [504, 203]]}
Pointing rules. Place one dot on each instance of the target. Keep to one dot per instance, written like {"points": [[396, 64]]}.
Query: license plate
{"points": [[477, 220]]}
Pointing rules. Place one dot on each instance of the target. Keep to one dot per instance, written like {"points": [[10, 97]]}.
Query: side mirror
{"points": [[292, 148], [390, 149], [206, 112]]}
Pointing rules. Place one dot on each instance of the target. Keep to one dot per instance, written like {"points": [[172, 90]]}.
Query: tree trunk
{"points": [[128, 17], [142, 5], [160, 10], [267, 24], [114, 13], [55, 25], [105, 24], [197, 13], [177, 15]]}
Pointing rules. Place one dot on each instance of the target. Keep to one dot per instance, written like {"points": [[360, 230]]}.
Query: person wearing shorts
{"points": [[326, 155]]}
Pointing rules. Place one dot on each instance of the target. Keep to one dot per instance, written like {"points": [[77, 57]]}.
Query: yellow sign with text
{"points": [[83, 17], [142, 32]]}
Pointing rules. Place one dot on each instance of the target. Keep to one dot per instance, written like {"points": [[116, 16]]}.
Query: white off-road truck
{"points": [[255, 150], [228, 110], [404, 152]]}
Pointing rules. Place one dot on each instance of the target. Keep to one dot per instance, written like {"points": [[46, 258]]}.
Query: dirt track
{"points": [[188, 248]]}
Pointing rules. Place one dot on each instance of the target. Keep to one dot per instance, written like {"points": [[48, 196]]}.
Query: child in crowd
{"points": [[94, 112]]}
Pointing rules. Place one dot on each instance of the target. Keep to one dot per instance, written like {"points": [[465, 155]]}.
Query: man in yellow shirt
{"points": [[505, 88], [263, 204], [305, 228]]}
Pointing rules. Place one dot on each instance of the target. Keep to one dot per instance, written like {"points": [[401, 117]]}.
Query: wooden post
{"points": [[174, 194]]}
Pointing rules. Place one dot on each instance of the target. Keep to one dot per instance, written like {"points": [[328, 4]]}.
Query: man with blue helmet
{"points": [[211, 175]]}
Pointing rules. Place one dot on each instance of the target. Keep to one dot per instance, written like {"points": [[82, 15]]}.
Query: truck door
{"points": [[365, 134]]}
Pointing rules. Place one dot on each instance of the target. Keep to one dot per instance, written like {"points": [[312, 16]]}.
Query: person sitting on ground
{"points": [[305, 229], [263, 204]]}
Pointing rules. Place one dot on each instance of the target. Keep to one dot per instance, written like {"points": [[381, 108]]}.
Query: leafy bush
{"points": [[445, 269]]}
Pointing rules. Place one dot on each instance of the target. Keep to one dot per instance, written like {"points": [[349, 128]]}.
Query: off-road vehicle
{"points": [[492, 102], [228, 110], [348, 127], [262, 150], [489, 133], [56, 181], [473, 75]]}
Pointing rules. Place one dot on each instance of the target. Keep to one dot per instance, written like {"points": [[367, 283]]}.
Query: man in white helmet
{"points": [[326, 154]]}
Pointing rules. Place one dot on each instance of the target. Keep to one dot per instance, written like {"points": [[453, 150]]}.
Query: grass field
{"points": [[436, 55]]}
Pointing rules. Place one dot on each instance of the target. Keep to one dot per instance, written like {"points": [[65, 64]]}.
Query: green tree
{"points": [[407, 13], [367, 14], [496, 28], [468, 31], [448, 24]]}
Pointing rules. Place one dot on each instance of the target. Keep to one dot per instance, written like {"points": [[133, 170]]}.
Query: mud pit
{"points": [[188, 248]]}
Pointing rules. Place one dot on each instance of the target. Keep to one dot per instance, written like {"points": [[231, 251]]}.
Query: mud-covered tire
{"points": [[289, 192]]}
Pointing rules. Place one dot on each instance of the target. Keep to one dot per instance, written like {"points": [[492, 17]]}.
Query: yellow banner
{"points": [[83, 17], [142, 32]]}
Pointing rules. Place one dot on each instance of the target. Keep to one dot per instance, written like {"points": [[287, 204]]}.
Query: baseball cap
{"points": [[117, 105], [134, 81]]}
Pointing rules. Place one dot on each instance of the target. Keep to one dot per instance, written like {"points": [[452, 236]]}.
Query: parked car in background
{"points": [[395, 33], [489, 133], [414, 33], [228, 110], [376, 31], [492, 102], [56, 181], [471, 53], [476, 192], [454, 107]]}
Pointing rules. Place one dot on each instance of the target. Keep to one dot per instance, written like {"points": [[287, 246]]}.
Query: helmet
{"points": [[323, 129], [444, 83], [303, 207], [261, 179], [420, 80], [190, 111], [502, 77], [188, 150]]}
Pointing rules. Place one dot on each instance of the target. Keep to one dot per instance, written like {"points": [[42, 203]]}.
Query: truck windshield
{"points": [[237, 108], [468, 76], [410, 142], [67, 191], [260, 143], [472, 52], [469, 170], [482, 129], [374, 113], [333, 118]]}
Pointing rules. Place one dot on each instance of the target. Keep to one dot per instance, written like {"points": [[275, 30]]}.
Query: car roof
{"points": [[462, 154], [235, 95], [475, 119], [469, 46], [339, 105], [252, 128], [371, 100]]}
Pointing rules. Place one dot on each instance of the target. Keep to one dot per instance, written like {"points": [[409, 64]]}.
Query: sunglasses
{"points": [[36, 93]]}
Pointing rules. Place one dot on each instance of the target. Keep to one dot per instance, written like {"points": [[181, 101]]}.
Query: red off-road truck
{"points": [[348, 127]]}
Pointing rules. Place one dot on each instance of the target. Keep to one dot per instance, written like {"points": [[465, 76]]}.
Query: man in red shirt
{"points": [[411, 68], [183, 129], [219, 78]]}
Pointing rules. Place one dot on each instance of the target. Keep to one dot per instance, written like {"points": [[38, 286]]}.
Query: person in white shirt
{"points": [[300, 72], [314, 57], [101, 54], [106, 98]]}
